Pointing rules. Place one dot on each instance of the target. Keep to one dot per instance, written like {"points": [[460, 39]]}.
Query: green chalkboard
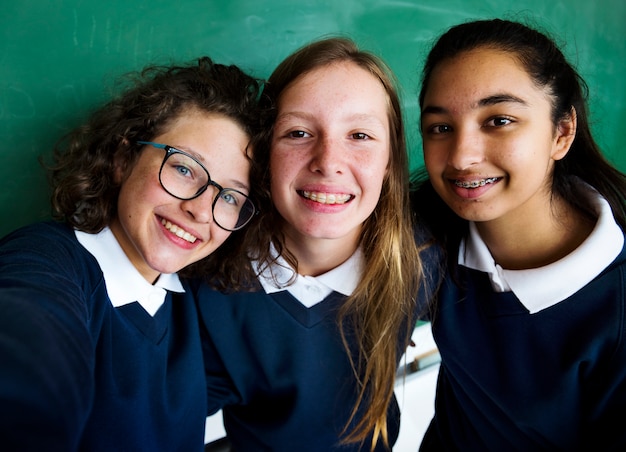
{"points": [[58, 59]]}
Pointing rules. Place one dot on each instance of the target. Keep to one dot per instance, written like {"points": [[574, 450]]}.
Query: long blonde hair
{"points": [[380, 311]]}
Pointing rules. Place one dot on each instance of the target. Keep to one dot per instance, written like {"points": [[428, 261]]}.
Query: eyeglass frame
{"points": [[170, 150]]}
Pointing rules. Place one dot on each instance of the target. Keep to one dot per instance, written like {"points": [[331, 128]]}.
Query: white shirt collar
{"points": [[310, 290], [123, 281], [540, 288]]}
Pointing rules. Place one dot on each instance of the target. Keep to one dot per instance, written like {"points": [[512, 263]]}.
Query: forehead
{"points": [[215, 140], [479, 73], [336, 82]]}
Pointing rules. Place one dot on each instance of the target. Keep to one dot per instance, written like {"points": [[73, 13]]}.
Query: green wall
{"points": [[59, 59]]}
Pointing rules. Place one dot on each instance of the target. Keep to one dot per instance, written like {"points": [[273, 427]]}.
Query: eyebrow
{"points": [[366, 118], [485, 102], [499, 99], [292, 114], [199, 157], [234, 183]]}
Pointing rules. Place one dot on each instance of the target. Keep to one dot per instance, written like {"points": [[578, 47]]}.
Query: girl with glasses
{"points": [[309, 354], [530, 321], [99, 339]]}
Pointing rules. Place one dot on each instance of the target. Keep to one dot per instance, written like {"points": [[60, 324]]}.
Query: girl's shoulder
{"points": [[48, 248], [620, 260], [51, 239], [40, 231]]}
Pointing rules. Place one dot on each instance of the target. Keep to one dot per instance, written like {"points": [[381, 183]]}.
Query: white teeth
{"points": [[475, 183], [180, 232], [326, 198]]}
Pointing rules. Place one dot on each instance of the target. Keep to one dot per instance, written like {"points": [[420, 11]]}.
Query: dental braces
{"points": [[475, 183]]}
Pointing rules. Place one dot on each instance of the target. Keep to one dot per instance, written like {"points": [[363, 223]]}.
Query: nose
{"points": [[466, 149], [201, 208], [328, 156]]}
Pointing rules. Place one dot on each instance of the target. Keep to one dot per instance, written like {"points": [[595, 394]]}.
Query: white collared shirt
{"points": [[540, 288], [310, 290], [123, 281]]}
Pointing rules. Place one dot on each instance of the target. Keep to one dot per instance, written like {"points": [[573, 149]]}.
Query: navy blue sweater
{"points": [[77, 373], [514, 381], [281, 370]]}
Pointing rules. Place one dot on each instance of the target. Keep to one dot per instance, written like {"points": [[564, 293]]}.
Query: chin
{"points": [[168, 266]]}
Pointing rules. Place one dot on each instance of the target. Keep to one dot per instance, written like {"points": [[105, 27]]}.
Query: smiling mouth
{"points": [[326, 198], [178, 231], [475, 183]]}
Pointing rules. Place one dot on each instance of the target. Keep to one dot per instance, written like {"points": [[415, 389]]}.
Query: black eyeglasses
{"points": [[184, 177]]}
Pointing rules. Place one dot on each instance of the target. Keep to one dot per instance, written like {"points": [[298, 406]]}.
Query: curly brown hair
{"points": [[82, 174]]}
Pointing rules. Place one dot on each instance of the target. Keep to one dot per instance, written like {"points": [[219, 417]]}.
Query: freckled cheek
{"points": [[371, 179], [281, 161], [281, 189], [152, 186], [284, 168], [144, 181]]}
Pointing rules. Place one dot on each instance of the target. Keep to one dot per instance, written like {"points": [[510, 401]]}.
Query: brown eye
{"points": [[439, 128], [298, 134], [499, 121]]}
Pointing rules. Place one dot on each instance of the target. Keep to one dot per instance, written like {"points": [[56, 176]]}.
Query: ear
{"points": [[120, 164], [118, 171], [565, 134]]}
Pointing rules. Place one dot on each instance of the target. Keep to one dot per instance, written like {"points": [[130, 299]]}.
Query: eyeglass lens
{"points": [[185, 178]]}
